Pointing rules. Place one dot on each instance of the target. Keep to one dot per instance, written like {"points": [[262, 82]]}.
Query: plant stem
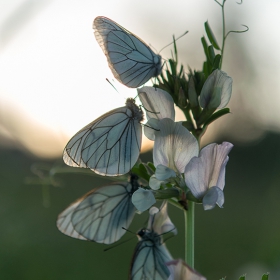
{"points": [[189, 234], [224, 33]]}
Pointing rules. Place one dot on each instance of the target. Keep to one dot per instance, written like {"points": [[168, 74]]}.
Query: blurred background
{"points": [[52, 83]]}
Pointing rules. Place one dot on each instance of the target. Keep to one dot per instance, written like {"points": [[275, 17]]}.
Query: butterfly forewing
{"points": [[110, 145], [149, 258], [64, 222], [101, 214], [132, 62]]}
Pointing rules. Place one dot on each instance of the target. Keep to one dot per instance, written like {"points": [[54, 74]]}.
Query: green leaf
{"points": [[217, 115], [211, 54], [151, 165], [265, 276], [206, 69], [175, 49], [242, 277], [211, 36], [216, 63], [205, 45], [144, 172]]}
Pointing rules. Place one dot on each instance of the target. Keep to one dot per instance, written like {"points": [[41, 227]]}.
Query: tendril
{"points": [[238, 31]]}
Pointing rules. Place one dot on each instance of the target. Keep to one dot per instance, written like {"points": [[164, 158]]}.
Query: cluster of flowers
{"points": [[179, 170]]}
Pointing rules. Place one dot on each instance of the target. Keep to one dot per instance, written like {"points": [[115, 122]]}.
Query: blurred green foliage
{"points": [[246, 230]]}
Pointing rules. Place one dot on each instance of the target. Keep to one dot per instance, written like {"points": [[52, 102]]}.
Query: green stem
{"points": [[189, 234], [224, 33]]}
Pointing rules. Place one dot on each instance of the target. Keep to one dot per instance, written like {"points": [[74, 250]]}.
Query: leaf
{"points": [[211, 36], [151, 165], [205, 45], [211, 54], [242, 277], [216, 63], [217, 115]]}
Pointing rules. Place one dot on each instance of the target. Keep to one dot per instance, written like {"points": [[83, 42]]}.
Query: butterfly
{"points": [[101, 214], [131, 61], [110, 145], [151, 254]]}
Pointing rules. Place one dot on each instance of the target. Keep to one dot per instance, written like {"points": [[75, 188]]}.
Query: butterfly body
{"points": [[110, 145], [131, 61]]}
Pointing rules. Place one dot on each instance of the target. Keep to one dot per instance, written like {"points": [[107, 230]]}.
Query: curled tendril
{"points": [[238, 31], [241, 1]]}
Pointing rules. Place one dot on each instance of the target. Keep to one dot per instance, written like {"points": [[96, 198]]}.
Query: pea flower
{"points": [[174, 144], [216, 91], [179, 270], [205, 174], [174, 147]]}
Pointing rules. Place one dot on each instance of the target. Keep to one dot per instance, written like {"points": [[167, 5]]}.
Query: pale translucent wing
{"points": [[104, 212], [110, 145], [149, 259], [132, 62], [64, 223]]}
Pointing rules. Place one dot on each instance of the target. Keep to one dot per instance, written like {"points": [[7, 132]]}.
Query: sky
{"points": [[53, 72]]}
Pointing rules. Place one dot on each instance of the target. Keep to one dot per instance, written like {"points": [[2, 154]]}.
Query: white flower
{"points": [[216, 91], [143, 199], [205, 175], [174, 145], [179, 270], [157, 103], [159, 220]]}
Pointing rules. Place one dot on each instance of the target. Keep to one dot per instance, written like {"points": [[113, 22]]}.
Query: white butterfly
{"points": [[132, 62], [110, 145], [101, 214], [151, 254]]}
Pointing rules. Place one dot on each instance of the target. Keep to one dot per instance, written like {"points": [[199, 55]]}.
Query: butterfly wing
{"points": [[104, 212], [64, 223], [100, 215], [132, 62], [149, 259], [110, 145]]}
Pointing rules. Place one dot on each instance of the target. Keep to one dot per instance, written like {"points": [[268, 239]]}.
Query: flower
{"points": [[179, 270], [143, 199], [216, 91], [157, 103], [174, 145], [173, 149], [159, 220], [205, 175]]}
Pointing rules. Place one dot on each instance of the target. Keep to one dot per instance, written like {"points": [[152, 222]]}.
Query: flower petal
{"points": [[157, 103], [174, 145], [208, 170], [154, 183], [216, 91], [212, 197], [159, 221], [164, 173], [150, 128], [179, 270], [143, 199]]}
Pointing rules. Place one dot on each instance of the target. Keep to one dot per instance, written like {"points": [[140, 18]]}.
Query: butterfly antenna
{"points": [[174, 41], [112, 85], [116, 245]]}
